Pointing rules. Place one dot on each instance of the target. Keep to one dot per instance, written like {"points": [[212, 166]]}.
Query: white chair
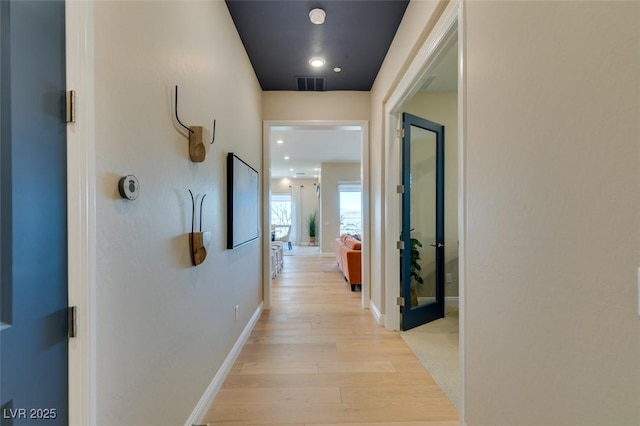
{"points": [[277, 261], [286, 237], [274, 269]]}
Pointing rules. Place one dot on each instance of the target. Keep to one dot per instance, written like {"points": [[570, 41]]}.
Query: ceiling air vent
{"points": [[310, 84]]}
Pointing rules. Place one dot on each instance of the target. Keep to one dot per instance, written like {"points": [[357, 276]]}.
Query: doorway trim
{"points": [[266, 190], [81, 217], [441, 38], [448, 29]]}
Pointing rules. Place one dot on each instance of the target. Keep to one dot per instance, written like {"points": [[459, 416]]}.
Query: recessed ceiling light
{"points": [[316, 170], [286, 158], [291, 170], [317, 16], [337, 69], [316, 62], [279, 141]]}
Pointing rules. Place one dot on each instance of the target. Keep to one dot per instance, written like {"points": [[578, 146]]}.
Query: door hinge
{"points": [[400, 189], [73, 321], [400, 245], [70, 106], [400, 133], [400, 301]]}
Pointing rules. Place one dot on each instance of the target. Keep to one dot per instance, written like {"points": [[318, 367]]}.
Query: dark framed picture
{"points": [[243, 202]]}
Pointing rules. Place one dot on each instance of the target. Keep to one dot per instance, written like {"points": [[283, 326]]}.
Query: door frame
{"points": [[414, 316], [266, 208], [449, 28], [443, 36], [81, 195]]}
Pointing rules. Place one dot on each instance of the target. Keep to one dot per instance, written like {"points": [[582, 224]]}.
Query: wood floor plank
{"points": [[289, 395], [318, 359], [317, 338], [422, 423], [360, 366], [278, 368], [363, 394], [267, 381], [315, 331], [397, 346], [308, 413]]}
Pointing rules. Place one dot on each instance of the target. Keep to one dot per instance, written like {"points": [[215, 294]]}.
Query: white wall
{"points": [[553, 223], [331, 175], [442, 107], [308, 202], [164, 327], [315, 105]]}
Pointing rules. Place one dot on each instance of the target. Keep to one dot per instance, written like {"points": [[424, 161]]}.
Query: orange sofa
{"points": [[349, 258]]}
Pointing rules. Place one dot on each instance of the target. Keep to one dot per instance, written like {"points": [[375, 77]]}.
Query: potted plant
{"points": [[311, 223]]}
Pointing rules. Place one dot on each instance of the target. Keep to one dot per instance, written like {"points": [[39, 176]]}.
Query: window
{"points": [[350, 208], [280, 213]]}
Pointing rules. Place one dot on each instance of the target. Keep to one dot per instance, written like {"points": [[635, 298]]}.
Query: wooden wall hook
{"points": [[199, 243], [197, 150]]}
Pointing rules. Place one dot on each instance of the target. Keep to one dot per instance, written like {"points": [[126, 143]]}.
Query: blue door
{"points": [[33, 218], [422, 255]]}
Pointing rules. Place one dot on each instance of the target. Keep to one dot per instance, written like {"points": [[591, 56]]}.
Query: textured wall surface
{"points": [[553, 241], [165, 327]]}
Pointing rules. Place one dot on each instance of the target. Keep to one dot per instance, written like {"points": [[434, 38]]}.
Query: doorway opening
{"points": [[311, 163]]}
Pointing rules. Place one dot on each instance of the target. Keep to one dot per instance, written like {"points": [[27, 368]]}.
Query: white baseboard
{"points": [[451, 302], [201, 409], [376, 313]]}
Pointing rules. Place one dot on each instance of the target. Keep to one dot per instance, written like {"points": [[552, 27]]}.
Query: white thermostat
{"points": [[129, 187]]}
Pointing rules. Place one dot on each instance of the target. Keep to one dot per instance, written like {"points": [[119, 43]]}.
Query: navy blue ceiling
{"points": [[280, 39]]}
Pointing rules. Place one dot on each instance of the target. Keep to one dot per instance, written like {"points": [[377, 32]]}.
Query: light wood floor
{"points": [[317, 358]]}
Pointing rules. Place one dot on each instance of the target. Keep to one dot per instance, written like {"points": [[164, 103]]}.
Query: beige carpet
{"points": [[436, 346]]}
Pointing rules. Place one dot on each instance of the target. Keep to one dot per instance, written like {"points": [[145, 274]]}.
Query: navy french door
{"points": [[422, 255], [33, 214]]}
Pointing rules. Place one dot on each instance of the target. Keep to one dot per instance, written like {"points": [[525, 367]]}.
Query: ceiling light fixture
{"points": [[317, 16], [337, 69], [286, 158], [316, 62], [279, 141]]}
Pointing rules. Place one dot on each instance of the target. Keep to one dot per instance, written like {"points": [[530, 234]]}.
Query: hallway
{"points": [[318, 358]]}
